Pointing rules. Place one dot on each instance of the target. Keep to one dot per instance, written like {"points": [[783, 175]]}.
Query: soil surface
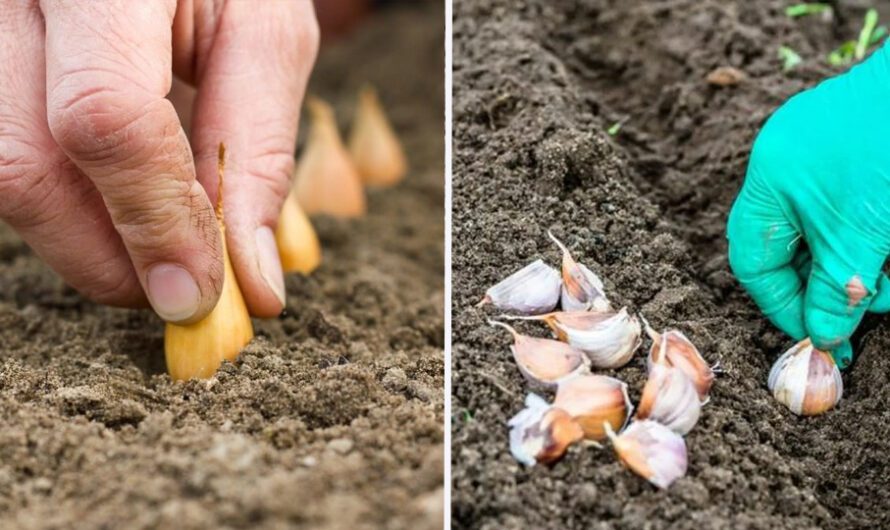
{"points": [[333, 415], [537, 85]]}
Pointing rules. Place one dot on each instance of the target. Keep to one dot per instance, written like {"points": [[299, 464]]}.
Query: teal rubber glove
{"points": [[810, 229]]}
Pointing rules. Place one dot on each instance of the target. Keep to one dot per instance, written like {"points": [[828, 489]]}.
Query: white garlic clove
{"points": [[582, 290], [609, 339], [806, 380], [670, 398], [652, 451], [532, 290], [541, 433], [595, 400], [544, 362], [672, 348]]}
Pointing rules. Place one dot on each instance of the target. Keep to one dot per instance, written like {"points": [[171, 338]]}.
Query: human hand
{"points": [[96, 173], [820, 174]]}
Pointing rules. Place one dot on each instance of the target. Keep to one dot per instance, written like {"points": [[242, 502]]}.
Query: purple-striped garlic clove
{"points": [[806, 380], [670, 398], [593, 401], [545, 362], [582, 290], [532, 290], [673, 348], [652, 451], [608, 339], [541, 433]]}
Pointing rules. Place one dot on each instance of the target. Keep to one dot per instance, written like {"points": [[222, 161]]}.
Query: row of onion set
{"points": [[330, 179], [591, 408]]}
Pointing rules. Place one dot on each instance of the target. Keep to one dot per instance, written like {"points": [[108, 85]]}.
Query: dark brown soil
{"points": [[537, 83], [332, 417]]}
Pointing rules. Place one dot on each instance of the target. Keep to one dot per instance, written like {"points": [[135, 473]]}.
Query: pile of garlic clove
{"points": [[588, 334]]}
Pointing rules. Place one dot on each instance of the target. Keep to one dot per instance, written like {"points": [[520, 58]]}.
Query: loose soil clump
{"points": [[537, 86], [333, 415]]}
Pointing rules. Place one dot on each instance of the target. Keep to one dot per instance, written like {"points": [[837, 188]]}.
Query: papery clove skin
{"points": [[373, 145], [582, 290], [544, 362], [673, 348], [670, 398], [541, 433], [326, 181], [806, 380], [298, 245], [608, 339], [195, 351], [593, 401], [532, 290], [652, 451]]}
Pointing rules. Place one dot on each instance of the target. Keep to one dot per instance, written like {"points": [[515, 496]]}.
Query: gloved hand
{"points": [[810, 229]]}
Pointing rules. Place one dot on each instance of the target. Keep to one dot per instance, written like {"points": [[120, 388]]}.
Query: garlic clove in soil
{"points": [[544, 362], [532, 290], [652, 451], [609, 339], [806, 380], [373, 144], [673, 348], [541, 433], [298, 244], [326, 181], [670, 398], [582, 290], [595, 400], [195, 351]]}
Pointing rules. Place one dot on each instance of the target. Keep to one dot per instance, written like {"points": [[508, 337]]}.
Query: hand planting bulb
{"points": [[806, 380], [652, 451], [541, 433], [544, 362], [672, 348], [670, 398], [593, 401], [532, 290], [582, 290], [608, 339]]}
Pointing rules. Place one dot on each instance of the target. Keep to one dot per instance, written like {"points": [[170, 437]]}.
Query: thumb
{"points": [[834, 306]]}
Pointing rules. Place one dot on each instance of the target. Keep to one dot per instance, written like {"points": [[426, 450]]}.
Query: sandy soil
{"points": [[332, 417], [537, 84]]}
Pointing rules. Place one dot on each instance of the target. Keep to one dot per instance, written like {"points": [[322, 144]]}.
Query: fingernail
{"points": [[172, 291], [270, 262]]}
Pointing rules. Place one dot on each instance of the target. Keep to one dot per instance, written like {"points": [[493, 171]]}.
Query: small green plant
{"points": [[789, 57], [870, 35], [465, 415], [806, 8], [614, 128]]}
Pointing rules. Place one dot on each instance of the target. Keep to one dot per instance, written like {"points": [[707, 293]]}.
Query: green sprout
{"points": [[870, 35], [614, 128], [806, 8], [790, 58], [465, 415]]}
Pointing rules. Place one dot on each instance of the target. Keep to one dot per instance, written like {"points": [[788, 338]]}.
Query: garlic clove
{"points": [[541, 433], [673, 348], [670, 398], [806, 380], [373, 144], [195, 351], [326, 181], [594, 400], [544, 362], [608, 339], [582, 290], [652, 451], [297, 242], [534, 289]]}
